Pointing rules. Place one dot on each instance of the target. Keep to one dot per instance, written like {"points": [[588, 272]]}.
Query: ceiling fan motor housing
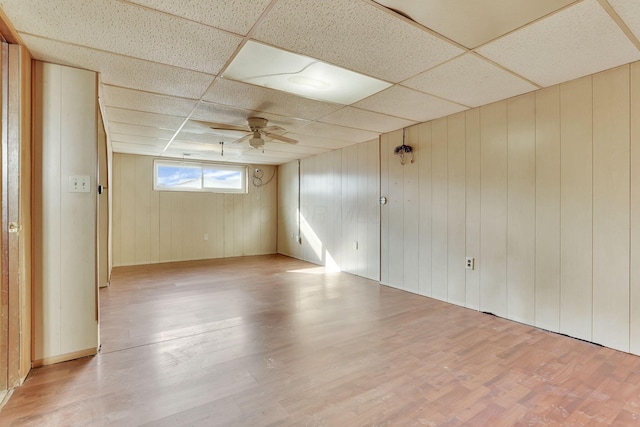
{"points": [[256, 123]]}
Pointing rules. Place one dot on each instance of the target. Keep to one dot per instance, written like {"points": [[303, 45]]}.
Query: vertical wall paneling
{"points": [[493, 208], [141, 225], [335, 179], [385, 209], [635, 211], [288, 185], [362, 236], [411, 215], [472, 207], [611, 208], [547, 257], [456, 209], [439, 209], [373, 210], [576, 258], [163, 226], [396, 214], [423, 155], [65, 289], [521, 220]]}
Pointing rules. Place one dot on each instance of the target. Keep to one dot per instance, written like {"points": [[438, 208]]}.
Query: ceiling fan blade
{"points": [[222, 126], [243, 139], [281, 138]]}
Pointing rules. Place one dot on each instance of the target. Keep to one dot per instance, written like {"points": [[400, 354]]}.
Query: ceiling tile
{"points": [[575, 42], [131, 30], [209, 137], [406, 103], [256, 98], [367, 120], [629, 11], [471, 81], [320, 141], [140, 149], [139, 140], [354, 35], [237, 16], [160, 121], [474, 23], [129, 129], [143, 101], [124, 71], [235, 116], [336, 132]]}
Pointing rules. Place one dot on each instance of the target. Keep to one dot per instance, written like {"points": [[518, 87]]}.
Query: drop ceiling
{"points": [[162, 63]]}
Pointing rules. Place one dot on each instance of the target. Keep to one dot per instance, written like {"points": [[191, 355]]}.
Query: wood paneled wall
{"points": [[161, 226], [339, 214], [542, 190], [65, 144]]}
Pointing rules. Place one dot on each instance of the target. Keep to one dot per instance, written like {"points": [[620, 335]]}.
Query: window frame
{"points": [[203, 165]]}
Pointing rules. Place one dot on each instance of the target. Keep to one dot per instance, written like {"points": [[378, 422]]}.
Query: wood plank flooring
{"points": [[273, 341]]}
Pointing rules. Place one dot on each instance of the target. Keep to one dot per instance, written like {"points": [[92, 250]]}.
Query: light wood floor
{"points": [[272, 341]]}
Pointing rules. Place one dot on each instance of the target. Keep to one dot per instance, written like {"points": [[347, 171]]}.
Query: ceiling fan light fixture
{"points": [[256, 142]]}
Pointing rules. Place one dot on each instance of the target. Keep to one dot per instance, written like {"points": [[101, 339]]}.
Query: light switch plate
{"points": [[79, 184]]}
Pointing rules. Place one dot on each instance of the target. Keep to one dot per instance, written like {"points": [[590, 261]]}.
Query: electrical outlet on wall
{"points": [[79, 184], [469, 263]]}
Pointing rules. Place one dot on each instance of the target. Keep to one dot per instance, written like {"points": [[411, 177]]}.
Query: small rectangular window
{"points": [[175, 175]]}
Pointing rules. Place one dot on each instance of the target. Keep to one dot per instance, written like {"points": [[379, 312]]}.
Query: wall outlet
{"points": [[355, 245], [206, 236], [469, 263], [79, 184]]}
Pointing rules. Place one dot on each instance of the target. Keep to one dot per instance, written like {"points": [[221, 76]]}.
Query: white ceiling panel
{"points": [[409, 104], [160, 121], [320, 141], [342, 133], [471, 81], [139, 140], [472, 23], [126, 29], [140, 149], [367, 120], [629, 11], [354, 35], [236, 116], [137, 130], [124, 71], [575, 42], [256, 98], [237, 16], [143, 101]]}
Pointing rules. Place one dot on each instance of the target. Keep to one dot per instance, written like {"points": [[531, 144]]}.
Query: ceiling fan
{"points": [[258, 132]]}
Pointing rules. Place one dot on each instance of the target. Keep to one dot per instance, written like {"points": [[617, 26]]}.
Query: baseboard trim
{"points": [[64, 357]]}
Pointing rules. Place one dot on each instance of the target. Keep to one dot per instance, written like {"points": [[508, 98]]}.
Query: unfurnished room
{"points": [[320, 213]]}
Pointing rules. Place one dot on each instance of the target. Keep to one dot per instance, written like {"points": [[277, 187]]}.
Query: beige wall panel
{"points": [[521, 209], [472, 205], [164, 204], [423, 159], [439, 210], [116, 188], [373, 211], [611, 191], [493, 209], [411, 215], [176, 230], [396, 214], [141, 203], [547, 257], [385, 151], [576, 208], [362, 236], [334, 159], [66, 286], [287, 208], [127, 224], [350, 208], [635, 211], [456, 209]]}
